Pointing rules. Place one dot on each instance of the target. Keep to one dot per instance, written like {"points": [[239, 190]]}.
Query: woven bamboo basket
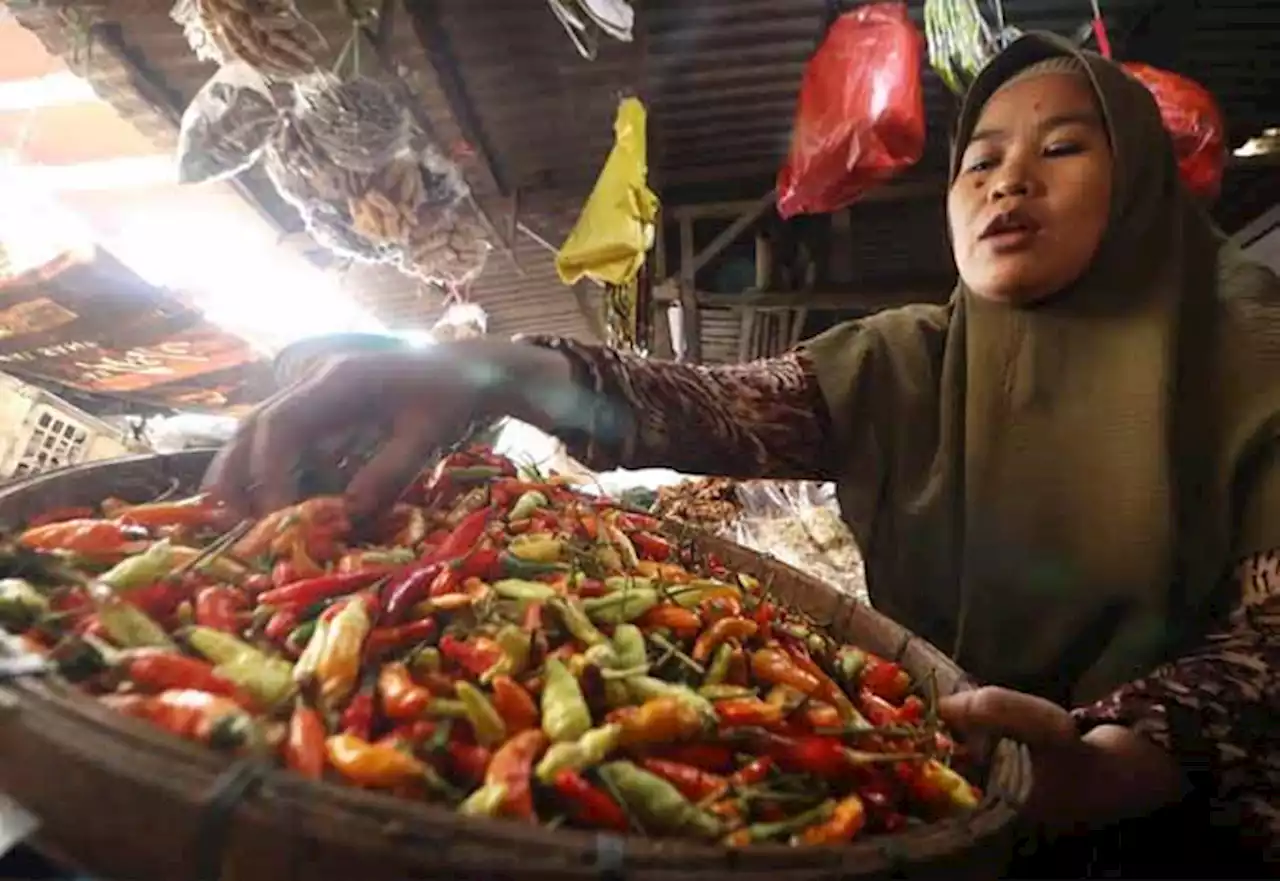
{"points": [[122, 801]]}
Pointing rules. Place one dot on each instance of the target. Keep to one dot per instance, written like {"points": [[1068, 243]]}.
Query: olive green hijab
{"points": [[1058, 492]]}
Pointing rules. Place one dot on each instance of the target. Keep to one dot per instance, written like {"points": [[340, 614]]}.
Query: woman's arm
{"points": [[764, 419], [1217, 711]]}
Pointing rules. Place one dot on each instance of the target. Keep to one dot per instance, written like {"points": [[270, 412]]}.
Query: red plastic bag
{"points": [[860, 116], [1195, 121]]}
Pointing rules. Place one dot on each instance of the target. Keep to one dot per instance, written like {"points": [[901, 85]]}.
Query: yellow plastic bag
{"points": [[616, 227]]}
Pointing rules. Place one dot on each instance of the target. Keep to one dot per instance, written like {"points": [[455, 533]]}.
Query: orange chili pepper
{"points": [[403, 700], [514, 705], [720, 632], [748, 712], [512, 768], [102, 540], [847, 820], [304, 751], [661, 720], [338, 664], [828, 690], [377, 766], [682, 622]]}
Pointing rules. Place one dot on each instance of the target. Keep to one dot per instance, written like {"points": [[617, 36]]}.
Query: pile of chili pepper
{"points": [[497, 642]]}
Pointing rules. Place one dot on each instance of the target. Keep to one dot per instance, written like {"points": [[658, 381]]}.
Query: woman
{"points": [[1068, 474]]}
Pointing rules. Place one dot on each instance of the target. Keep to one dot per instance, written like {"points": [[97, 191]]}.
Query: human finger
{"points": [[1001, 712], [413, 437]]}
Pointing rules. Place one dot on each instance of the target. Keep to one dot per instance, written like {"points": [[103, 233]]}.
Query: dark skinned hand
{"points": [[1108, 775]]}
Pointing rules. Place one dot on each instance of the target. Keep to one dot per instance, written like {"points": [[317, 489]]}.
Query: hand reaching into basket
{"points": [[1105, 776], [423, 400]]}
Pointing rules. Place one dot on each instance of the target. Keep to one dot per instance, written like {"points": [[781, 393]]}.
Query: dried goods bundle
{"points": [[497, 643], [271, 36], [226, 126], [448, 249]]}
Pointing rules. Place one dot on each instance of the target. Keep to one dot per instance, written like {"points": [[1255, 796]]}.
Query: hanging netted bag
{"points": [[1195, 123], [461, 321], [271, 36], [226, 126], [860, 116], [448, 250]]}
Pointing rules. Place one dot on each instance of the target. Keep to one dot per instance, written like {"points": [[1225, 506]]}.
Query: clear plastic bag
{"points": [[799, 523], [226, 126], [860, 116], [271, 36], [360, 123], [461, 321], [1195, 122]]}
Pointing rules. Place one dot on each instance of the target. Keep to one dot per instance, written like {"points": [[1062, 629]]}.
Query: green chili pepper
{"points": [[141, 569], [524, 591], [590, 749], [268, 679], [129, 627], [849, 664], [617, 583], [576, 621], [720, 663], [646, 688], [629, 646], [443, 708], [656, 803], [21, 605], [516, 647], [565, 714], [527, 504], [426, 660], [514, 567], [474, 474], [301, 635], [621, 607], [486, 722]]}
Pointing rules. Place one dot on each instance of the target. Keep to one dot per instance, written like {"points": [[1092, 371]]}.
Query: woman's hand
{"points": [[1110, 774], [425, 399]]}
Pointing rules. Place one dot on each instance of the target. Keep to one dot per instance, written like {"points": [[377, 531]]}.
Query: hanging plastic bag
{"points": [[271, 36], [860, 116], [359, 122], [1195, 122], [461, 321], [960, 41], [226, 126], [616, 227]]}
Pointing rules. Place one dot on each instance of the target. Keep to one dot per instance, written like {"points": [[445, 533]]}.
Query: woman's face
{"points": [[1030, 204]]}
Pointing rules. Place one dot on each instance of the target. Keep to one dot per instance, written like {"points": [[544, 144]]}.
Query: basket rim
{"points": [[998, 809]]}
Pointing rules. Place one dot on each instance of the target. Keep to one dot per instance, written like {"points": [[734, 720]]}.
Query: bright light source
{"points": [[418, 339], [1263, 145], [54, 90], [108, 174]]}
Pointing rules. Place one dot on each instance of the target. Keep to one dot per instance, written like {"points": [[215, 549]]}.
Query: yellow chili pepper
{"points": [[537, 548], [486, 723], [377, 766], [338, 667]]}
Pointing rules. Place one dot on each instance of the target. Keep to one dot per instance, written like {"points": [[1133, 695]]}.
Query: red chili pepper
{"points": [[651, 547], [512, 768], [61, 515], [879, 711], [464, 536], [751, 773], [160, 670], [476, 655], [314, 589], [257, 583], [304, 751], [811, 754], [403, 593], [721, 631], [707, 756], [587, 804], [885, 679], [357, 718], [748, 712], [221, 608], [481, 563], [531, 621], [468, 761], [446, 582], [694, 784], [282, 623], [159, 600], [387, 640]]}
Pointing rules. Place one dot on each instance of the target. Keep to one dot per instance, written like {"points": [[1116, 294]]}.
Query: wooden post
{"points": [[688, 295]]}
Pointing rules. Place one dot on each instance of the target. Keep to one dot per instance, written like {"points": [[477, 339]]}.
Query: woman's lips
{"points": [[1010, 232]]}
